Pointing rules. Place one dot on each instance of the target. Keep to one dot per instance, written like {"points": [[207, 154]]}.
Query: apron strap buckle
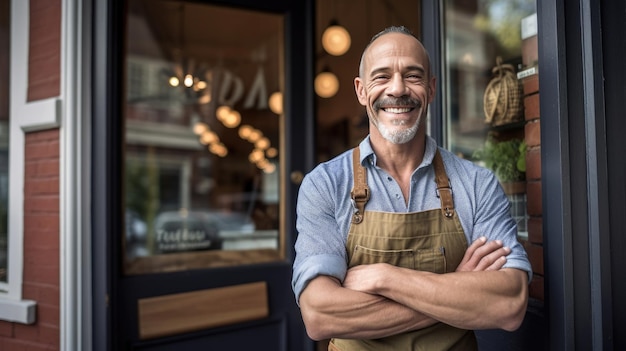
{"points": [[444, 189], [359, 199], [360, 193]]}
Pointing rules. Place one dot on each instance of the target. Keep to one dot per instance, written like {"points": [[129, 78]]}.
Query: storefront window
{"points": [[484, 58], [4, 135], [491, 106], [202, 136]]}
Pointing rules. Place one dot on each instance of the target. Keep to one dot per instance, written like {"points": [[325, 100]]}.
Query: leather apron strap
{"points": [[360, 193], [444, 189]]}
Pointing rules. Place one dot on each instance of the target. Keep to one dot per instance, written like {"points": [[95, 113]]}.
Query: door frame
{"points": [[107, 303]]}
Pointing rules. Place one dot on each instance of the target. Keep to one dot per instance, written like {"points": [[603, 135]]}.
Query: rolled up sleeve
{"points": [[314, 266]]}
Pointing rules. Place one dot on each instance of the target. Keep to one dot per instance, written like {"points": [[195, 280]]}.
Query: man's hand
{"points": [[484, 255]]}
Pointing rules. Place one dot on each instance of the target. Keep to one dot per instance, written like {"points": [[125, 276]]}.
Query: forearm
{"points": [[330, 310], [469, 300]]}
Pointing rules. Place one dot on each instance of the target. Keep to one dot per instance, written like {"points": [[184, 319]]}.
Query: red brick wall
{"points": [[41, 236], [41, 192], [41, 246], [44, 54], [534, 245]]}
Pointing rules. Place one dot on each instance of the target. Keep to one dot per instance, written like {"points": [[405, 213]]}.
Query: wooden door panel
{"points": [[201, 309]]}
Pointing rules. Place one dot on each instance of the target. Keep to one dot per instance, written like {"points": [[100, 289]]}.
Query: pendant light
{"points": [[326, 84], [336, 39], [184, 73], [276, 102]]}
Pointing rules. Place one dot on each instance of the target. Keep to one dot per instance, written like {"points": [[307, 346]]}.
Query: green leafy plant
{"points": [[507, 159]]}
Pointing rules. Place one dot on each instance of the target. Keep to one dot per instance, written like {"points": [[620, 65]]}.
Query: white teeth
{"points": [[397, 110]]}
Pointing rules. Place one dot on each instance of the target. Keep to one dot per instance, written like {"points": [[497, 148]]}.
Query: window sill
{"points": [[18, 311]]}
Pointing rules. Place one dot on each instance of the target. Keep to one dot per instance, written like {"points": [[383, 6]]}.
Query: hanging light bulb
{"points": [[233, 119], [174, 81], [200, 127], [209, 137], [245, 131], [262, 143], [326, 84], [200, 85], [188, 81], [269, 168], [336, 39], [255, 135], [276, 102], [222, 113], [271, 152]]}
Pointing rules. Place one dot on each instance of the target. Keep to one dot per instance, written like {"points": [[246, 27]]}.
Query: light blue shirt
{"points": [[324, 208]]}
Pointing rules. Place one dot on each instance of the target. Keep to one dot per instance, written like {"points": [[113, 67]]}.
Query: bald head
{"points": [[393, 29]]}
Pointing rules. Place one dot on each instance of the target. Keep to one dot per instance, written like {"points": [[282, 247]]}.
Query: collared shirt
{"points": [[324, 209]]}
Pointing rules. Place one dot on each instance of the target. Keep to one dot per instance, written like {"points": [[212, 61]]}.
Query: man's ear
{"points": [[432, 89], [359, 88]]}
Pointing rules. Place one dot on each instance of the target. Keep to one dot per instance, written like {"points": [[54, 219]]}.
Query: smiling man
{"points": [[388, 257]]}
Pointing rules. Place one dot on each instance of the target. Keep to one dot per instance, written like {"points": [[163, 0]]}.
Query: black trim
{"points": [[555, 166], [614, 48], [432, 33], [302, 109], [597, 178], [575, 176], [104, 167]]}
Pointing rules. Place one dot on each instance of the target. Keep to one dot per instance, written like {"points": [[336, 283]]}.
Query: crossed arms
{"points": [[380, 300]]}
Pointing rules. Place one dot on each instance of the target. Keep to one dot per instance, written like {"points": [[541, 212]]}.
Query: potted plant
{"points": [[507, 159]]}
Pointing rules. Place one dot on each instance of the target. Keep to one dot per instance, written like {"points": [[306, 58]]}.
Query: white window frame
{"points": [[24, 116]]}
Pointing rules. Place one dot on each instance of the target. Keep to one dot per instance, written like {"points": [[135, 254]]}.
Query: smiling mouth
{"points": [[399, 105], [397, 109]]}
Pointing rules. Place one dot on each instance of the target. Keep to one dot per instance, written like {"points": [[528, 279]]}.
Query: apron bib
{"points": [[431, 241]]}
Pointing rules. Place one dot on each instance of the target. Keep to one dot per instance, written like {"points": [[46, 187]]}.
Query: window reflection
{"points": [[485, 53], [201, 150], [477, 33]]}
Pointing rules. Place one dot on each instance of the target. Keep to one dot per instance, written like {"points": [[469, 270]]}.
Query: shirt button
{"points": [[397, 196]]}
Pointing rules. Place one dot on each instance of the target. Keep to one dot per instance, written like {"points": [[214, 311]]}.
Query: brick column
{"points": [[534, 245]]}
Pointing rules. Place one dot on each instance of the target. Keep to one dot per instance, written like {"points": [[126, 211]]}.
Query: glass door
{"points": [[202, 175]]}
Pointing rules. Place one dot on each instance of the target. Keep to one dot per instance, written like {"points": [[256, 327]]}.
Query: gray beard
{"points": [[397, 136]]}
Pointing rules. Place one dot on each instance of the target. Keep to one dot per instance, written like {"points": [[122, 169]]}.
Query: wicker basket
{"points": [[503, 99]]}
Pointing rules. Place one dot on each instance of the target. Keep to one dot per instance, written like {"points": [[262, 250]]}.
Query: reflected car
{"points": [[178, 231], [231, 222]]}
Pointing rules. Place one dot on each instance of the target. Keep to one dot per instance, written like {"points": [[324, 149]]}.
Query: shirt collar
{"points": [[367, 153]]}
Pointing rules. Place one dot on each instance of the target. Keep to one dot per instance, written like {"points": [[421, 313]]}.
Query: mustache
{"points": [[399, 101]]}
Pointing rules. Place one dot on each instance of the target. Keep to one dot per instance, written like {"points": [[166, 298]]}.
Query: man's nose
{"points": [[398, 86]]}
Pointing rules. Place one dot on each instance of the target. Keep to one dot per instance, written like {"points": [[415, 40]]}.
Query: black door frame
{"points": [[107, 136], [613, 15], [577, 251]]}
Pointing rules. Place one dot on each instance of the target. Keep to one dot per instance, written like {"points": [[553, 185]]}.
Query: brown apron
{"points": [[431, 241]]}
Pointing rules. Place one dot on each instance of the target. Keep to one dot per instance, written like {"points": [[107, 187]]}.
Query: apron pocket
{"points": [[431, 260], [400, 258]]}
